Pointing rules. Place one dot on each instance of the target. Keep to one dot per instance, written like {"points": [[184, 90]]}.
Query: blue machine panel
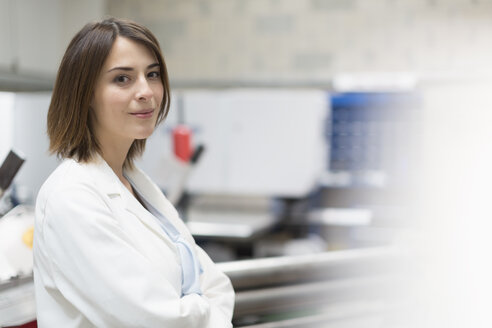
{"points": [[370, 131]]}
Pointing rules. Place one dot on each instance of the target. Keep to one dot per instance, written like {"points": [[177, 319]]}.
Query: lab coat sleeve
{"points": [[217, 288], [97, 270]]}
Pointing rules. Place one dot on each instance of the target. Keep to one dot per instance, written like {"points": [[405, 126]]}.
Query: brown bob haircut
{"points": [[69, 115]]}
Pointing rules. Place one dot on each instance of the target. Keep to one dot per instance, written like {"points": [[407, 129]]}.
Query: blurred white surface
{"points": [[17, 303], [30, 137], [260, 142], [16, 233], [453, 205]]}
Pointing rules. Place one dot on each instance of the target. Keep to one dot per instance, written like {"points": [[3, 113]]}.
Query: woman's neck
{"points": [[115, 156], [115, 162]]}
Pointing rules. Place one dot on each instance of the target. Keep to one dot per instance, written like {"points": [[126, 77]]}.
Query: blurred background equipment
{"points": [[176, 192], [16, 242], [259, 142], [9, 169], [339, 289]]}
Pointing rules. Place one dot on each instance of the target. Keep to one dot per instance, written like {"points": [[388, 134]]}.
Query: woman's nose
{"points": [[144, 91]]}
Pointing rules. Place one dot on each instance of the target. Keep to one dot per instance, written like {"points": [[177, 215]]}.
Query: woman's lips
{"points": [[147, 113]]}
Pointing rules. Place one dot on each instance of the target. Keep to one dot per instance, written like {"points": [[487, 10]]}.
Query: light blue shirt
{"points": [[190, 266]]}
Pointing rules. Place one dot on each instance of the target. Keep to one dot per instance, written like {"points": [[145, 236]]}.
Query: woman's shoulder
{"points": [[73, 175], [68, 172]]}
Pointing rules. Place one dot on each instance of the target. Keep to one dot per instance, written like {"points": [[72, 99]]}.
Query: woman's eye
{"points": [[121, 79], [154, 75]]}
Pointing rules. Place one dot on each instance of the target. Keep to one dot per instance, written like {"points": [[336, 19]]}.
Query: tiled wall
{"points": [[306, 41]]}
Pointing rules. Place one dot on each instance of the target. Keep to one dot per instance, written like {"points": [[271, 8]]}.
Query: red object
{"points": [[32, 324], [182, 142]]}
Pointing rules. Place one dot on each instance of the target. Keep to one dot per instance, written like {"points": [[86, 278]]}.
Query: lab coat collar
{"points": [[103, 175], [152, 194], [109, 183]]}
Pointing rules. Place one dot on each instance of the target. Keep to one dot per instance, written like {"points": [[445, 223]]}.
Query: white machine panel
{"points": [[258, 142]]}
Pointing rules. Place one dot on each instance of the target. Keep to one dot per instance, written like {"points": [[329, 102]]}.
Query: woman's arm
{"points": [[217, 288]]}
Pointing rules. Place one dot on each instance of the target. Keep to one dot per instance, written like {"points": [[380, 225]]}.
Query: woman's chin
{"points": [[143, 137], [144, 134]]}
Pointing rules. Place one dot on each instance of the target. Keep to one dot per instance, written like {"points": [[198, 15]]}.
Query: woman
{"points": [[110, 250]]}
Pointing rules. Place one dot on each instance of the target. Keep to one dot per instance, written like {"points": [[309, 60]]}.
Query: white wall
{"points": [[23, 128], [37, 29], [29, 137], [6, 123], [6, 35], [313, 40], [34, 34]]}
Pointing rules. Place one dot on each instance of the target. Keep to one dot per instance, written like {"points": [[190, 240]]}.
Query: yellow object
{"points": [[27, 237]]}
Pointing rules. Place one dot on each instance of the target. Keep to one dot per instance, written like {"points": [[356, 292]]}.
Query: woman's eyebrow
{"points": [[123, 68]]}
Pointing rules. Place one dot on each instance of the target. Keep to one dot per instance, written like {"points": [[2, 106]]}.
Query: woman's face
{"points": [[127, 95]]}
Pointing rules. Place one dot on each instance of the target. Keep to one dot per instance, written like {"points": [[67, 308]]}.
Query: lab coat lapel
{"points": [[106, 180], [133, 206], [110, 184], [150, 192], [154, 196]]}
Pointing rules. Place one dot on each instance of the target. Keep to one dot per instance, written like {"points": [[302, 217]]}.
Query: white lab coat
{"points": [[101, 260]]}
